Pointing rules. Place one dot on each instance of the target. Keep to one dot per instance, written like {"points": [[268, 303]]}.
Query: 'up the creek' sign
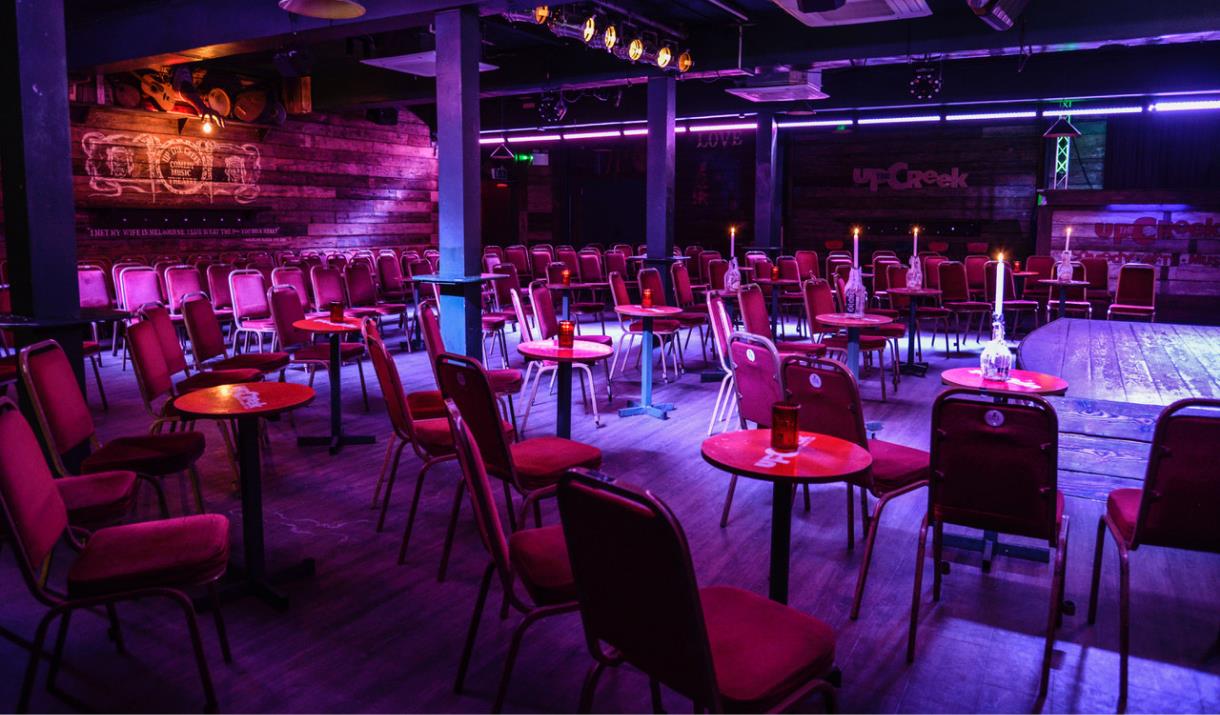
{"points": [[900, 177]]}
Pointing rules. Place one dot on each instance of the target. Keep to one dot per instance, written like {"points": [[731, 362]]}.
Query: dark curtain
{"points": [[1179, 150]]}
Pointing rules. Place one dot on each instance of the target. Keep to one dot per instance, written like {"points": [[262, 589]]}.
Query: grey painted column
{"points": [[35, 148], [659, 187], [767, 216], [457, 128]]}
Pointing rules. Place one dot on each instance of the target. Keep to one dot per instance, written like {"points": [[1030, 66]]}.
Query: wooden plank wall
{"points": [[319, 181], [1003, 163]]}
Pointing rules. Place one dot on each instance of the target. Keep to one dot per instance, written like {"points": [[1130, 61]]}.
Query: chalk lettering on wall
{"points": [[900, 177], [718, 140], [191, 232], [144, 164]]}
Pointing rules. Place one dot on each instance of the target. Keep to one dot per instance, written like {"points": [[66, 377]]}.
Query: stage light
{"points": [[589, 30], [635, 49], [665, 55], [610, 37], [925, 81], [685, 62], [542, 13]]}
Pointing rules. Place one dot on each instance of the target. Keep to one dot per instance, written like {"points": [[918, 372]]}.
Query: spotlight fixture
{"points": [[542, 14], [552, 109], [610, 37], [589, 29], [685, 62], [925, 81], [665, 55], [635, 49], [324, 9]]}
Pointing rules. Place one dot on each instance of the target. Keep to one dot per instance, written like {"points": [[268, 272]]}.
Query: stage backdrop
{"points": [[317, 181]]}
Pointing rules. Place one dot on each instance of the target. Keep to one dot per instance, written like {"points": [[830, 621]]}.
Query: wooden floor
{"points": [[367, 635]]}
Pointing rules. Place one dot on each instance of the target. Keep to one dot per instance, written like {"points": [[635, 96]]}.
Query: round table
{"points": [[565, 294], [777, 285], [1062, 292], [910, 367], [854, 323], [247, 403], [820, 458], [1019, 381], [336, 440], [1019, 277], [645, 405], [581, 351]]}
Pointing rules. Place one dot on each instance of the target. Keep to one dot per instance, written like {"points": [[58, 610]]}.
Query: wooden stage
{"points": [[1121, 374]]}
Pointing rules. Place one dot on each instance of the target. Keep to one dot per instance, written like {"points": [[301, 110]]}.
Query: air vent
{"points": [[782, 87], [859, 11], [422, 64]]}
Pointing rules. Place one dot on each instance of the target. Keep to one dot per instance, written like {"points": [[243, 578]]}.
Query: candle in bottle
{"points": [[732, 241], [999, 286], [1067, 242], [567, 333], [646, 298], [915, 242], [855, 247]]}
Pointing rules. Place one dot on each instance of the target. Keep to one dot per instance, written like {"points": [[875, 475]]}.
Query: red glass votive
{"points": [[646, 298], [774, 273], [567, 277], [784, 429], [336, 312], [567, 333], [1016, 266]]}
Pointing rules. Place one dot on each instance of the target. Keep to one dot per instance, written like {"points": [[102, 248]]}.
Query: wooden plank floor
{"points": [[370, 636]]}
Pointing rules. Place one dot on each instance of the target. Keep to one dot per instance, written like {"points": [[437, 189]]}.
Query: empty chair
{"points": [[298, 344], [251, 313], [208, 344], [758, 384], [535, 369], [717, 269], [1097, 273], [1044, 268], [1075, 298], [1012, 304], [115, 564], [362, 292], [955, 297], [757, 321], [975, 278], [180, 281], [295, 277], [548, 323], [539, 260], [593, 302], [329, 287], [616, 262], [389, 278], [994, 466], [218, 290], [518, 256], [829, 401], [724, 648], [664, 331], [95, 293], [504, 383], [1135, 296], [705, 257]]}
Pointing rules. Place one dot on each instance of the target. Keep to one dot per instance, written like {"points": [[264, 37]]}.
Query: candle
{"points": [[336, 312], [567, 333], [999, 286], [784, 430], [774, 273], [646, 298], [1067, 242], [855, 247], [567, 277], [915, 243], [732, 241]]}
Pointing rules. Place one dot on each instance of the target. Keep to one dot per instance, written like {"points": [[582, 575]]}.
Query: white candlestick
{"points": [[1067, 243], [855, 247], [915, 243], [732, 241], [999, 286]]}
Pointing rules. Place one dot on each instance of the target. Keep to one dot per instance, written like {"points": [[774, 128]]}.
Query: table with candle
{"points": [[416, 338], [567, 287], [248, 403], [816, 459], [647, 313], [564, 350], [777, 286], [854, 324], [911, 367], [1021, 277], [1061, 291], [334, 328]]}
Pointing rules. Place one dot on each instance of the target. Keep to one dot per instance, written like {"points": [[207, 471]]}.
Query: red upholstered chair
{"points": [[994, 466], [975, 277], [537, 558], [616, 262], [591, 302], [820, 300], [218, 290], [1076, 300], [389, 278], [295, 277], [705, 258], [70, 437], [95, 293], [1097, 273], [136, 286], [328, 287], [829, 401], [298, 344], [504, 382], [181, 280], [717, 269], [835, 261], [502, 291], [496, 251], [724, 648], [896, 275], [362, 292], [955, 297], [1135, 295], [539, 260], [721, 327], [530, 467], [756, 320], [757, 385], [251, 313], [1176, 508], [518, 256], [547, 323], [807, 262], [208, 345], [664, 331], [1044, 267], [691, 320], [1012, 304], [931, 270], [115, 564]]}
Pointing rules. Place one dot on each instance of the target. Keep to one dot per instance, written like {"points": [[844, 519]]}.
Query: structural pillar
{"points": [[35, 148], [767, 215], [659, 186], [458, 47]]}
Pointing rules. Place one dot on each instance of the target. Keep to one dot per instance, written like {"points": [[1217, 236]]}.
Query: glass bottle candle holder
{"points": [[336, 312], [567, 277], [915, 273], [855, 295], [646, 298], [997, 360], [784, 428], [567, 333], [1063, 269]]}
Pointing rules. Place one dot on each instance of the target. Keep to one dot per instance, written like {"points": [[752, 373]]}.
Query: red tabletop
{"points": [[820, 457], [639, 311], [913, 292], [851, 320], [246, 400], [1036, 383], [581, 350], [1025, 274], [576, 286], [777, 281], [1057, 282], [324, 325]]}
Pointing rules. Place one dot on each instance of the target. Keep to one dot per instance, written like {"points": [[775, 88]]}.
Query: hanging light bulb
{"points": [[589, 31], [208, 127], [685, 61], [665, 55], [610, 37]]}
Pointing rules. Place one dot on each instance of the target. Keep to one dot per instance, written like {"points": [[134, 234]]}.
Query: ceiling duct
{"points": [[790, 86], [854, 12]]}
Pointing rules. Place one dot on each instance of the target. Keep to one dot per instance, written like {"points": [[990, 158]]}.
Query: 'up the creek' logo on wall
{"points": [[900, 177]]}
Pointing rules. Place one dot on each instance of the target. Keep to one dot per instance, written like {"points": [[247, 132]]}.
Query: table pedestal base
{"points": [[781, 540], [237, 583], [715, 375], [991, 547], [660, 410], [335, 442], [919, 369]]}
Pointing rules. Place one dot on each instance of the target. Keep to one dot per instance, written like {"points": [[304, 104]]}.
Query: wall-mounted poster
{"points": [[146, 164]]}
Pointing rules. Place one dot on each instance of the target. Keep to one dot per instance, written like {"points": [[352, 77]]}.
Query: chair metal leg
{"points": [[728, 502], [97, 377], [364, 390], [389, 485], [851, 513], [419, 487], [938, 541], [58, 652], [1124, 624], [385, 465], [868, 558], [473, 630], [197, 488], [31, 669], [192, 626], [919, 559], [116, 630], [222, 633], [654, 688], [1095, 586], [453, 517], [511, 660], [589, 687]]}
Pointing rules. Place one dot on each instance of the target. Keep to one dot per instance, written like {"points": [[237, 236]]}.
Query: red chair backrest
{"points": [[180, 280], [789, 269], [539, 260], [623, 248], [286, 309], [1044, 266], [974, 271], [249, 289], [1097, 273], [754, 316], [636, 585], [721, 324], [896, 277], [995, 465], [544, 310], [505, 286], [218, 285], [683, 292], [390, 381], [91, 282], [156, 315], [953, 286], [1182, 486], [430, 327], [828, 397], [616, 262], [756, 377], [463, 380], [496, 251], [554, 273], [361, 290], [56, 396], [152, 375], [519, 258], [618, 289], [295, 277], [931, 270], [706, 257], [32, 507], [203, 328], [819, 300], [389, 271], [807, 263], [717, 269], [590, 267], [139, 285], [1136, 285], [420, 267], [568, 257], [327, 287]]}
